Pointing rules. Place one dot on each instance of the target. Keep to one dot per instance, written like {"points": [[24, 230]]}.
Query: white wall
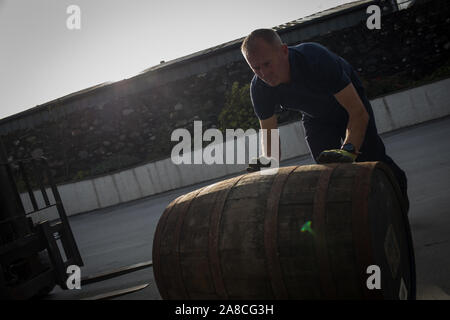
{"points": [[392, 112]]}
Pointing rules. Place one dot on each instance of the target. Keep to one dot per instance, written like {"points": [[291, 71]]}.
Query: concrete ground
{"points": [[122, 235]]}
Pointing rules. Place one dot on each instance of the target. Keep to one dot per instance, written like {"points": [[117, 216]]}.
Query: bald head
{"points": [[250, 43]]}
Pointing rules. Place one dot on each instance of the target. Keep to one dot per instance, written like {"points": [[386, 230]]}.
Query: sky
{"points": [[41, 59]]}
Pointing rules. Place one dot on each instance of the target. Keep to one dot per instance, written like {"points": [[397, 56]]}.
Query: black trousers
{"points": [[322, 136]]}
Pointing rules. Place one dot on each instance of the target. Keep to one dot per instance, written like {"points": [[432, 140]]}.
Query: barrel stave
{"points": [[242, 254], [194, 244]]}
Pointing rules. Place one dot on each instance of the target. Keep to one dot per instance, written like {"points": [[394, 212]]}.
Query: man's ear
{"points": [[285, 49]]}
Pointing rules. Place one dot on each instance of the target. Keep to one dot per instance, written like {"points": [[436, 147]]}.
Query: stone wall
{"points": [[128, 130]]}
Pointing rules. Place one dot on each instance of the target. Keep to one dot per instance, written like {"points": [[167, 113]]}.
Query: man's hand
{"points": [[336, 155], [256, 164]]}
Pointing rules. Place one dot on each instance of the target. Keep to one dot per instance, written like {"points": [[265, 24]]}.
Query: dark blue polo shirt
{"points": [[316, 75]]}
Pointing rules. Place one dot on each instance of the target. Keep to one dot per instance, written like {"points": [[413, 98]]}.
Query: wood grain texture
{"points": [[242, 238]]}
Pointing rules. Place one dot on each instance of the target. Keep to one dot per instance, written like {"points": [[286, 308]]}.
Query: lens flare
{"points": [[307, 227]]}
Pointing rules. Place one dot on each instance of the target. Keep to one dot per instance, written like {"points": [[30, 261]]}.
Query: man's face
{"points": [[269, 62]]}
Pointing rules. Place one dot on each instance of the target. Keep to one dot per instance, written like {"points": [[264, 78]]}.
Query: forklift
{"points": [[35, 256]]}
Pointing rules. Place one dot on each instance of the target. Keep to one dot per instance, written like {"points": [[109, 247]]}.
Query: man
{"points": [[336, 114]]}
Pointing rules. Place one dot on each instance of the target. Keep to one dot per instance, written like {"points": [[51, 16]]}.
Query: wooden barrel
{"points": [[307, 232]]}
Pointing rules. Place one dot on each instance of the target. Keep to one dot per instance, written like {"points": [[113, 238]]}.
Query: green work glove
{"points": [[256, 164], [336, 155]]}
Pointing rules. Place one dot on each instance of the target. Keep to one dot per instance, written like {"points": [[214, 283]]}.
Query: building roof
{"points": [[280, 29], [325, 14]]}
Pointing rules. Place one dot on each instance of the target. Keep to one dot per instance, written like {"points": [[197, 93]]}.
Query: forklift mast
{"points": [[34, 256]]}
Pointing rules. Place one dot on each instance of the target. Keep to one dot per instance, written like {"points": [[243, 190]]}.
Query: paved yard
{"points": [[122, 235]]}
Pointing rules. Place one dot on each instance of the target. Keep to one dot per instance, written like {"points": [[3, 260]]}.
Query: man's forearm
{"points": [[268, 152], [358, 116], [356, 130]]}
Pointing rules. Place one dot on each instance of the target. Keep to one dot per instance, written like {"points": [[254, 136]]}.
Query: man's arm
{"points": [[358, 116], [270, 123]]}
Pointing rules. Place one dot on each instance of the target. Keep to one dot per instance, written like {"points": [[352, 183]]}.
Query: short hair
{"points": [[268, 35]]}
